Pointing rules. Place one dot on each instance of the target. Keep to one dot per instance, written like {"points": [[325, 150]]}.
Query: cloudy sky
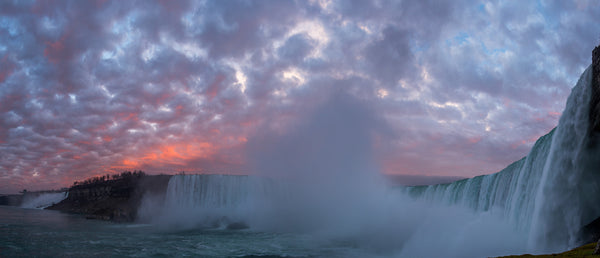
{"points": [[463, 87]]}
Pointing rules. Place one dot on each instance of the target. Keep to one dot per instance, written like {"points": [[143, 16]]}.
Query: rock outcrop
{"points": [[116, 200], [597, 249], [594, 128], [11, 199], [591, 232]]}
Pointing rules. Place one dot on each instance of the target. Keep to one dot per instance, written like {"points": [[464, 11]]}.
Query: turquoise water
{"points": [[45, 233]]}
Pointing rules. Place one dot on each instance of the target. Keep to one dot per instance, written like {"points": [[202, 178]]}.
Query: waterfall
{"points": [[211, 200], [43, 200], [569, 191], [216, 191], [512, 190], [551, 193]]}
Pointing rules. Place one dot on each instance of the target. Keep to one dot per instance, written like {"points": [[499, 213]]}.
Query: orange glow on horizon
{"points": [[173, 154], [130, 163]]}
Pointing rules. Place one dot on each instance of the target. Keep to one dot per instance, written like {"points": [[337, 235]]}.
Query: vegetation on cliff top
{"points": [[582, 251], [126, 175]]}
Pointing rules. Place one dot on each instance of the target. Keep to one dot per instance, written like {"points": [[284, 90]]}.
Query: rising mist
{"points": [[320, 179]]}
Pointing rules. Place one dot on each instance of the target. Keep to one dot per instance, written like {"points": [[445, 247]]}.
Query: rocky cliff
{"points": [[591, 232], [595, 100], [116, 200], [11, 199]]}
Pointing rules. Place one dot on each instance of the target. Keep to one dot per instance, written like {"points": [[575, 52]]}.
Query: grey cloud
{"points": [[239, 26], [391, 58], [296, 48]]}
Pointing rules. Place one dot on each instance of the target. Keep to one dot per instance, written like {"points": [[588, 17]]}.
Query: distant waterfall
{"points": [[41, 201], [552, 193]]}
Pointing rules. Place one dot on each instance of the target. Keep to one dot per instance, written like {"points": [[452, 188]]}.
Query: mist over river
{"points": [[45, 233]]}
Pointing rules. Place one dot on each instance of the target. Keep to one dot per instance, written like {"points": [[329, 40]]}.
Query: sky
{"points": [[461, 88]]}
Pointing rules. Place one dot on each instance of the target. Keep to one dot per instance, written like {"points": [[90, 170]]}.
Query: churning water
{"points": [[45, 233]]}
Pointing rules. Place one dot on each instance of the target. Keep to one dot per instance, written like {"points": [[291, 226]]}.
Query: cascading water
{"points": [[512, 190], [569, 191], [214, 191], [552, 193], [43, 200], [211, 200]]}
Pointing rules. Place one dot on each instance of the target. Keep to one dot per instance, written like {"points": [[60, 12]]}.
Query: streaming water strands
{"points": [[513, 190], [216, 201], [215, 191]]}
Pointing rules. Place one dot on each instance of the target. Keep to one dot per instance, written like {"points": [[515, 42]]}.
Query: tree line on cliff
{"points": [[126, 175]]}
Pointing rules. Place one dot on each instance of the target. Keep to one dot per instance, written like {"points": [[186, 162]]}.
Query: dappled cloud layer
{"points": [[95, 87]]}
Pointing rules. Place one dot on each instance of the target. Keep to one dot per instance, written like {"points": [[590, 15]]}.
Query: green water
{"points": [[45, 233]]}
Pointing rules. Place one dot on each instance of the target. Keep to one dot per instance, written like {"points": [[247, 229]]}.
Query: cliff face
{"points": [[595, 100], [11, 199], [591, 232], [116, 200]]}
